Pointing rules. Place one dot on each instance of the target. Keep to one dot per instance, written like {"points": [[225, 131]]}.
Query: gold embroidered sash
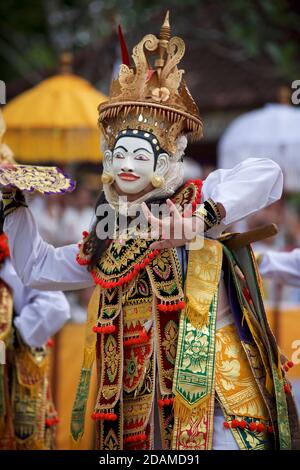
{"points": [[235, 384], [238, 391], [193, 384]]}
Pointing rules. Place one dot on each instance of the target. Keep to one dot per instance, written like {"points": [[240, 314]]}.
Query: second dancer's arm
{"points": [[39, 264]]}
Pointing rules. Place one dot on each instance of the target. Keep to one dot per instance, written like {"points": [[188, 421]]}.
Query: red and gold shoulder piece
{"points": [[120, 263], [85, 250], [189, 195]]}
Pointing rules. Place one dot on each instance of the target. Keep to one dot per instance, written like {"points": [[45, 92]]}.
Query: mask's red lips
{"points": [[128, 176]]}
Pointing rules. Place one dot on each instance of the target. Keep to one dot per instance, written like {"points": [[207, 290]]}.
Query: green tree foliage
{"points": [[32, 33]]}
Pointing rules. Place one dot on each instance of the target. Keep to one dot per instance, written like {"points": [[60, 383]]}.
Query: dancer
{"points": [[28, 318], [180, 336]]}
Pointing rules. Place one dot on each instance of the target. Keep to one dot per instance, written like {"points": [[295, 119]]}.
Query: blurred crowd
{"points": [[61, 221]]}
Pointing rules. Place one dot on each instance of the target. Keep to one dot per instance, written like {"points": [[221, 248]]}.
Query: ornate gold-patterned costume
{"points": [[27, 414], [156, 345]]}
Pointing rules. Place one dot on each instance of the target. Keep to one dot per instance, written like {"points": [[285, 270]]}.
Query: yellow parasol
{"points": [[55, 121]]}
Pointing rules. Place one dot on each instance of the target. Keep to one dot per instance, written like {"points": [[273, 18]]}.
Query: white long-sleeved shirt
{"points": [[282, 267], [243, 190], [38, 315]]}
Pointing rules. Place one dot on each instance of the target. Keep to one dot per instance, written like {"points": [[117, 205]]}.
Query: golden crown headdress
{"points": [[152, 99]]}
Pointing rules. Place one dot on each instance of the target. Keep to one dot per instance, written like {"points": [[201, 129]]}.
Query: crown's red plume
{"points": [[124, 51]]}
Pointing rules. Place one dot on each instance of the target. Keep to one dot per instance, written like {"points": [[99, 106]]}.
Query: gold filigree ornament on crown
{"points": [[44, 179], [152, 98]]}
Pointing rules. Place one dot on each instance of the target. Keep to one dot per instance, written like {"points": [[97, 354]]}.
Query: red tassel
{"points": [[142, 338], [50, 343], [171, 307], [252, 426], [261, 427], [242, 424], [135, 438], [104, 416], [287, 388], [165, 402], [288, 365], [226, 425], [104, 329], [234, 423], [124, 50], [82, 262], [270, 429], [51, 422], [113, 417]]}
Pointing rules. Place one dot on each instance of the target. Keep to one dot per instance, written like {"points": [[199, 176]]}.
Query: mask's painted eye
{"points": [[141, 157], [119, 155]]}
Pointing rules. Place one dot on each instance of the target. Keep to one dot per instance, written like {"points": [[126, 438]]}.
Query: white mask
{"points": [[133, 164], [169, 168]]}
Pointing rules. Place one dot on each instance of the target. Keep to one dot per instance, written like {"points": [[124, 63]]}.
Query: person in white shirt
{"points": [[283, 267], [29, 318]]}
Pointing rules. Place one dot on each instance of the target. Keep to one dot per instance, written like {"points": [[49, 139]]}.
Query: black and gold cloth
{"points": [[27, 415]]}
